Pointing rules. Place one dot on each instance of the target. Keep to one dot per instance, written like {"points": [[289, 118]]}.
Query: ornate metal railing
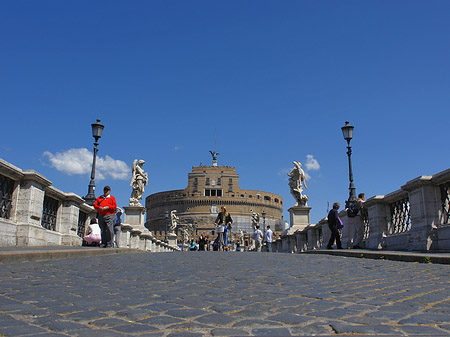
{"points": [[6, 191], [82, 216], [49, 213], [445, 201], [400, 217], [365, 221]]}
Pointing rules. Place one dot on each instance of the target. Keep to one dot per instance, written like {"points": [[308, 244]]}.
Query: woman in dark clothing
{"points": [[334, 225], [223, 220]]}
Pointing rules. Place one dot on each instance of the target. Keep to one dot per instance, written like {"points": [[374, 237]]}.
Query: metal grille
{"points": [[365, 221], [400, 217], [320, 243], [82, 216], [6, 191], [445, 200], [49, 213]]}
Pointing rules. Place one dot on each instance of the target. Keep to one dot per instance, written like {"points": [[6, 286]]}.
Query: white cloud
{"points": [[311, 163], [79, 161], [177, 148]]}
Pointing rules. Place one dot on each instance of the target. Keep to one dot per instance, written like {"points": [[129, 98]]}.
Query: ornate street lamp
{"points": [[97, 130], [166, 216], [347, 131]]}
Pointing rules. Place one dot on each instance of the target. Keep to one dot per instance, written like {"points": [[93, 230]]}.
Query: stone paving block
{"points": [[255, 323], [290, 319], [134, 314], [24, 329], [425, 319], [228, 332], [342, 328], [130, 328], [161, 320], [185, 334], [186, 313], [215, 319], [315, 329], [106, 322], [421, 330], [271, 332]]}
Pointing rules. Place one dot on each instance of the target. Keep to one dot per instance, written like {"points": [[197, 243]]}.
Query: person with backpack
{"points": [[354, 213], [335, 224]]}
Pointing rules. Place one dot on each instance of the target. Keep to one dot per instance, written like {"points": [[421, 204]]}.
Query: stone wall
{"points": [[35, 213], [414, 218]]}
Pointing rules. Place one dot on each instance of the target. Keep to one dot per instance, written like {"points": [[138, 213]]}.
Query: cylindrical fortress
{"points": [[209, 188]]}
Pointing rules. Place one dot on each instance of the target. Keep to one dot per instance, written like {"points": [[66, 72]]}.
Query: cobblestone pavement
{"points": [[223, 294]]}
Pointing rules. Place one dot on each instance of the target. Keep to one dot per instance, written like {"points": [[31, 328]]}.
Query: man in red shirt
{"points": [[106, 206]]}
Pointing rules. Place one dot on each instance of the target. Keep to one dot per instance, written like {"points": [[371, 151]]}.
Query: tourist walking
{"points": [[202, 242], [106, 206], [355, 217], [93, 233], [117, 227], [257, 237], [335, 224], [223, 220], [268, 239]]}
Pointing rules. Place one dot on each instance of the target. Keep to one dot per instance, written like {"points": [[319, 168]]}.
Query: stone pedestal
{"points": [[172, 239], [299, 218], [134, 215]]}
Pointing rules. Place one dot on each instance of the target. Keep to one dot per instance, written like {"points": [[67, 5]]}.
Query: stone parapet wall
{"points": [[415, 217], [23, 214]]}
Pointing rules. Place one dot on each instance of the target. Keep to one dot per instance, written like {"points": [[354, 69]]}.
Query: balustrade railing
{"points": [[445, 202], [6, 191], [82, 216], [400, 217], [49, 213], [365, 221]]}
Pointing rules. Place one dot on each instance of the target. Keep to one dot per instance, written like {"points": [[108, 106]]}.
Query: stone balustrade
{"points": [[35, 213], [414, 218]]}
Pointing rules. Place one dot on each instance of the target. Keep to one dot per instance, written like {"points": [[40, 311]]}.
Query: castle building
{"points": [[209, 188]]}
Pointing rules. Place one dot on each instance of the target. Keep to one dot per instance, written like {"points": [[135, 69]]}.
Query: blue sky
{"points": [[276, 81]]}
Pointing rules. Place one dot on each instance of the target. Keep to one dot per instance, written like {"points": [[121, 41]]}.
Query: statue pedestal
{"points": [[172, 239], [299, 218], [134, 215]]}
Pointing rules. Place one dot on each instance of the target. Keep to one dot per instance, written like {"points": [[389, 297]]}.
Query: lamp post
{"points": [[97, 129], [166, 215], [264, 221], [347, 131]]}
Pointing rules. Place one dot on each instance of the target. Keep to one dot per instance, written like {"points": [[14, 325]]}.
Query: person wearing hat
{"points": [[117, 227], [106, 206]]}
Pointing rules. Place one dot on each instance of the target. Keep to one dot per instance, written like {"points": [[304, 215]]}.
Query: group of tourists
{"points": [[354, 215], [105, 232]]}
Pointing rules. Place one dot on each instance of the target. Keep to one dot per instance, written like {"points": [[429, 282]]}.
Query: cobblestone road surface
{"points": [[223, 294]]}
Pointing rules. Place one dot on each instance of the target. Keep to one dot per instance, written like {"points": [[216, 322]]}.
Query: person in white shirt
{"points": [[257, 237], [268, 239], [93, 233]]}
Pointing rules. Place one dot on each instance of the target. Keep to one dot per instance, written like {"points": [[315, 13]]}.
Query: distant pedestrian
{"points": [[268, 239], [93, 234], [334, 223], [117, 227], [192, 245], [223, 220], [257, 238], [202, 242], [357, 221], [106, 206]]}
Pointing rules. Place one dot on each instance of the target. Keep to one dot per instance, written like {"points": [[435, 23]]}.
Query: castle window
{"points": [[207, 193], [266, 198], [219, 181], [207, 181], [258, 196], [276, 200]]}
